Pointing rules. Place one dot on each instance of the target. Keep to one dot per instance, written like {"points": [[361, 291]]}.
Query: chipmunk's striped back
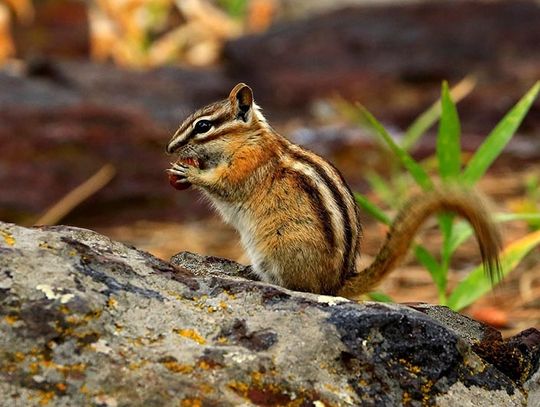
{"points": [[338, 206], [296, 216]]}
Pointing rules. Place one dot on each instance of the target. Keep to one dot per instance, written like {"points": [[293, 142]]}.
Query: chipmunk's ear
{"points": [[241, 98]]}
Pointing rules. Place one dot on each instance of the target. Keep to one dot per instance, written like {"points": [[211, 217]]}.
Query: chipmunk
{"points": [[296, 216]]}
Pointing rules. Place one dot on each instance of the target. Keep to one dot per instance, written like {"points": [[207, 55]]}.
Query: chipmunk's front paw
{"points": [[181, 170], [182, 175]]}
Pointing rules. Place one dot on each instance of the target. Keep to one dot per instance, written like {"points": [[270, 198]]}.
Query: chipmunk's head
{"points": [[206, 134]]}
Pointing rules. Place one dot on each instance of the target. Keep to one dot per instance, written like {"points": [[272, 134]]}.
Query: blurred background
{"points": [[91, 91]]}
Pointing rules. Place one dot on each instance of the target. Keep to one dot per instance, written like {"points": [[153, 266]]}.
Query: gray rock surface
{"points": [[88, 321]]}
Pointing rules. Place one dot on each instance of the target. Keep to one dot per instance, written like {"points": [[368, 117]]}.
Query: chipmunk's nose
{"points": [[173, 146], [175, 143], [169, 148]]}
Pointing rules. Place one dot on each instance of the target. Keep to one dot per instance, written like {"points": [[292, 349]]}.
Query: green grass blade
{"points": [[380, 297], [509, 217], [371, 208], [416, 171], [446, 224], [448, 138], [381, 188], [430, 263], [427, 119], [477, 283], [460, 233], [234, 8], [498, 138]]}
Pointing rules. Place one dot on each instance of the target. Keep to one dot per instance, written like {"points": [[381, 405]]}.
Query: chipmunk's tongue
{"points": [[177, 182]]}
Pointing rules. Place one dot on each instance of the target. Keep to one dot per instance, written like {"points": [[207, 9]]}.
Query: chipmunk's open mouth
{"points": [[192, 161]]}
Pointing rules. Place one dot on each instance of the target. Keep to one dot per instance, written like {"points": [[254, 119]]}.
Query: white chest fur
{"points": [[243, 221]]}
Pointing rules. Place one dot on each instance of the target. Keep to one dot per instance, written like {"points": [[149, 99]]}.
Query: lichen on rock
{"points": [[88, 321]]}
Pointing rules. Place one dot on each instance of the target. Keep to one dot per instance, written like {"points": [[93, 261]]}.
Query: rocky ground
{"points": [[85, 320]]}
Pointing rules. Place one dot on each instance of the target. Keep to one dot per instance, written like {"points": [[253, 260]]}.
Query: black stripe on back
{"points": [[317, 202], [356, 209], [340, 201]]}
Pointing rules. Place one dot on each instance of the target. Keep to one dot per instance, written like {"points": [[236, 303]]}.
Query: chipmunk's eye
{"points": [[202, 126]]}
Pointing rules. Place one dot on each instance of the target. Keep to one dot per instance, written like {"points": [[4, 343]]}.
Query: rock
{"points": [[165, 95], [61, 121], [393, 58], [518, 357], [88, 321]]}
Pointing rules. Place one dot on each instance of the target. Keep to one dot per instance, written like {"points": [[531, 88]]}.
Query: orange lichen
{"points": [[410, 367], [19, 356], [64, 309], [112, 303], [45, 397], [204, 365], [48, 364], [94, 314], [8, 237], [222, 340], [33, 368], [136, 365], [45, 245], [73, 319], [191, 334], [191, 403], [239, 387], [176, 367], [136, 341], [230, 295], [406, 398], [206, 388], [256, 378], [9, 367], [332, 388], [75, 369], [61, 387], [426, 390], [362, 382], [11, 319]]}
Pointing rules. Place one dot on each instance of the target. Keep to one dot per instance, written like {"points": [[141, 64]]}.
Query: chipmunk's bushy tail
{"points": [[401, 234]]}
